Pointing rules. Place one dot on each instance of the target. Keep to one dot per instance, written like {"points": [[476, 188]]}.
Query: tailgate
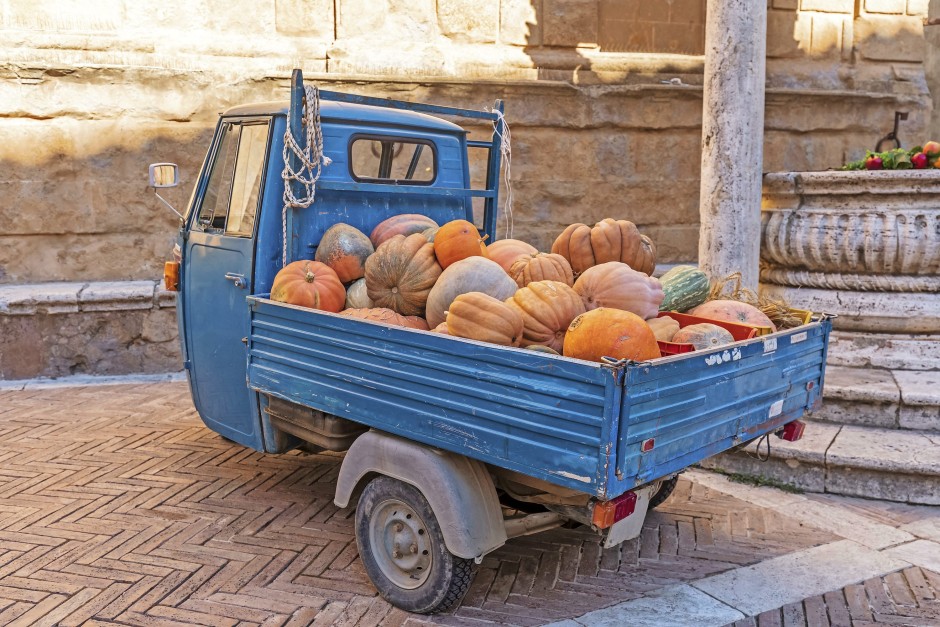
{"points": [[703, 403]]}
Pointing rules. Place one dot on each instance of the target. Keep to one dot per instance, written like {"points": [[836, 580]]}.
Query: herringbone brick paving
{"points": [[117, 506]]}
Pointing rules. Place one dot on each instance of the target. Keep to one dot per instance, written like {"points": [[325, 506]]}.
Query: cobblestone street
{"points": [[117, 506]]}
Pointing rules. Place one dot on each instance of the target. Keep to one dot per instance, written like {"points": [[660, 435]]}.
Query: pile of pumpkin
{"points": [[591, 297]]}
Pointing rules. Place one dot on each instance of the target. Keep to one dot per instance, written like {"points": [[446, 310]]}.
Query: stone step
{"points": [[890, 399], [870, 462]]}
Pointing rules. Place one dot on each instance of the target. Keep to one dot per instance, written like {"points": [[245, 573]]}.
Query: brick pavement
{"points": [[117, 506]]}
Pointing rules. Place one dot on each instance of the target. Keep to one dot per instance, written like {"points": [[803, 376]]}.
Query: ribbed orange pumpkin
{"points": [[506, 251], [401, 273], [616, 285], [456, 240], [733, 311], [479, 316], [608, 240], [309, 284], [613, 333], [403, 224], [541, 267], [547, 308], [387, 316], [473, 274], [345, 249]]}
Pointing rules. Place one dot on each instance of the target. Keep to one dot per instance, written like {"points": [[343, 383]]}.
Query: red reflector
{"points": [[606, 513], [647, 445], [792, 431]]}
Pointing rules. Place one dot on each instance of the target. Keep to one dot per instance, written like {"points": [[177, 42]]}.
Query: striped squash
{"points": [[685, 287]]}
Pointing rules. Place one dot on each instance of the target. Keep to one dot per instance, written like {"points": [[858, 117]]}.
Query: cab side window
{"points": [[378, 159], [232, 193]]}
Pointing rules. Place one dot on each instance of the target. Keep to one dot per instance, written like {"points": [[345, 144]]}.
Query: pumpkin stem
{"points": [[485, 237]]}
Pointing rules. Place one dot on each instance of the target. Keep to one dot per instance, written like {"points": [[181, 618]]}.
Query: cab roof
{"points": [[353, 113]]}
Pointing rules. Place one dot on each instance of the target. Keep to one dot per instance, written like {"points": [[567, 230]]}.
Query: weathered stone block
{"points": [[786, 4], [310, 18], [883, 38], [569, 23], [826, 37], [519, 23], [917, 7], [828, 6], [896, 7], [469, 20], [788, 33]]}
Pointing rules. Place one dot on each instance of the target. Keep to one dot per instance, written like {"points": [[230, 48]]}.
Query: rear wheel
{"points": [[665, 489], [402, 548]]}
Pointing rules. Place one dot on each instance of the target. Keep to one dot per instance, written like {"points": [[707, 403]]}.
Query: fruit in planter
{"points": [[547, 309], [506, 251], [874, 163], [664, 328], [606, 332], [400, 274], [345, 249], [479, 316], [473, 274], [386, 316], [357, 296], [309, 284], [684, 287], [456, 240], [733, 311], [931, 148], [403, 224], [608, 240], [919, 161], [618, 286], [703, 336], [541, 267]]}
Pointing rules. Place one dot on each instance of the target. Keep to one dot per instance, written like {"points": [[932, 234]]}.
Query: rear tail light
{"points": [[792, 431], [606, 513]]}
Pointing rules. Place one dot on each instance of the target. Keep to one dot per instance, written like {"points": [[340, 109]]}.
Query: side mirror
{"points": [[164, 175]]}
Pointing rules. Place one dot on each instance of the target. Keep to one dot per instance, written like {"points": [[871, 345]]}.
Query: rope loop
{"points": [[506, 151], [310, 159]]}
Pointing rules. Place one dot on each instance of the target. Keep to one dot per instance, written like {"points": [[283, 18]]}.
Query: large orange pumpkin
{"points": [[473, 274], [400, 274], [456, 240], [386, 316], [608, 240], [732, 311], [541, 267], [309, 284], [505, 252], [403, 224], [613, 333], [345, 249], [616, 285], [547, 308], [479, 316]]}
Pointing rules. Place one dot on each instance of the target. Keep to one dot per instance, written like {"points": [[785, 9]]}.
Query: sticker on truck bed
{"points": [[725, 356]]}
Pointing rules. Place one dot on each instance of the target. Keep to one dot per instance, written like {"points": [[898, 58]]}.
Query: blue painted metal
{"points": [[572, 423]]}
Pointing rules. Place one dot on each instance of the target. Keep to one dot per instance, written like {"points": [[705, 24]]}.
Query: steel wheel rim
{"points": [[401, 545]]}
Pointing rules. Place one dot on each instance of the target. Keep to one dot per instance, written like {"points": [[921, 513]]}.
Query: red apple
{"points": [[932, 148], [874, 163], [919, 161]]}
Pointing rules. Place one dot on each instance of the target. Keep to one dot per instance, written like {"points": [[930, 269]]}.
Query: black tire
{"points": [[440, 578], [665, 489]]}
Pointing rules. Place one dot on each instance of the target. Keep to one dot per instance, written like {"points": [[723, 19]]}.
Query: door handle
{"points": [[237, 279]]}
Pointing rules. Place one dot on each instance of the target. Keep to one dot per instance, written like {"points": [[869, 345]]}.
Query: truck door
{"points": [[218, 275]]}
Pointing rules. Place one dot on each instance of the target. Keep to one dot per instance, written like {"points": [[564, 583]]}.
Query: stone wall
{"points": [[603, 97]]}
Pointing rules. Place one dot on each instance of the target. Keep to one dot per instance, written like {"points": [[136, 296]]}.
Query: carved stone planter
{"points": [[866, 246]]}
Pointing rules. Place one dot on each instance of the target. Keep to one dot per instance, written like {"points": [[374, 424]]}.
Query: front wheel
{"points": [[402, 548]]}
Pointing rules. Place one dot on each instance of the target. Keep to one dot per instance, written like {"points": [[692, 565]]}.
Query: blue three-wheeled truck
{"points": [[452, 446]]}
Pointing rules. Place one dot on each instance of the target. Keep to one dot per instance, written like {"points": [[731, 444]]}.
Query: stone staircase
{"points": [[877, 435]]}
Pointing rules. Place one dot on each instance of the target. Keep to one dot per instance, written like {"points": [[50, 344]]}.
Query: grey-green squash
{"points": [[684, 287]]}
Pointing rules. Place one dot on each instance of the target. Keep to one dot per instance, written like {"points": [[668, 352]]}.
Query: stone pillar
{"points": [[732, 138]]}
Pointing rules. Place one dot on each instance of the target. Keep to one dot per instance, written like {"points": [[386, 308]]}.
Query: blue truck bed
{"points": [[572, 423]]}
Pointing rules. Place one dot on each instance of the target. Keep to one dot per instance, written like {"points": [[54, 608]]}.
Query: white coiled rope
{"points": [[310, 158], [506, 152]]}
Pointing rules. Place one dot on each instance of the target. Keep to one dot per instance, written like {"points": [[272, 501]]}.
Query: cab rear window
{"points": [[380, 159]]}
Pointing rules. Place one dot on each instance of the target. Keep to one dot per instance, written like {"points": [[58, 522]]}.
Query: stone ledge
{"points": [[64, 298], [889, 464]]}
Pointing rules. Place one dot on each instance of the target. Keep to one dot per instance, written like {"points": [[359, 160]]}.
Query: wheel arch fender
{"points": [[458, 489]]}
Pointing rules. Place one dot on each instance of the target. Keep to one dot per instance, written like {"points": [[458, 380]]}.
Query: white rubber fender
{"points": [[459, 489]]}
